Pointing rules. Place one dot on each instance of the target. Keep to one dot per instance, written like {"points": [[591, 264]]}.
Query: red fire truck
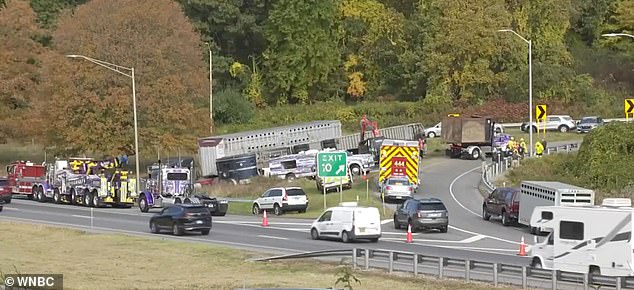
{"points": [[23, 175]]}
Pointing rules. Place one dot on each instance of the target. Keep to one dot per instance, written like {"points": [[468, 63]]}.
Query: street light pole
{"points": [[117, 69], [530, 88], [211, 103]]}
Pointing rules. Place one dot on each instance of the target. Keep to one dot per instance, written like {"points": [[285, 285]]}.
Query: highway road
{"points": [[454, 181]]}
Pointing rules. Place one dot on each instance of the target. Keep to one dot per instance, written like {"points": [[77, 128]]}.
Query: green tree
{"points": [[90, 107], [463, 50], [302, 51], [48, 10]]}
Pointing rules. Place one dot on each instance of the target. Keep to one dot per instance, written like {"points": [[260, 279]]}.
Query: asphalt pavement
{"points": [[453, 181]]}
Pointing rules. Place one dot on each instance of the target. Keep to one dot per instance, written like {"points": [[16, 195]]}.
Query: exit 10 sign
{"points": [[332, 164]]}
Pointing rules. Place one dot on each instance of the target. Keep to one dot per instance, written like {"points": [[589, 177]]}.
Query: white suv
{"points": [[561, 123], [280, 200]]}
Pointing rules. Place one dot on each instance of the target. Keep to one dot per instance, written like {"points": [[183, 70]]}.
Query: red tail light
{"points": [[411, 189], [388, 188], [515, 207], [285, 198]]}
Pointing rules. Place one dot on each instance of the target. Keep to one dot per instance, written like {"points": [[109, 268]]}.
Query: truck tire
{"points": [[73, 197], [87, 198], [505, 219], [476, 154], [57, 198], [431, 135], [96, 202], [563, 128], [177, 201], [177, 230], [485, 215], [355, 169], [143, 206]]}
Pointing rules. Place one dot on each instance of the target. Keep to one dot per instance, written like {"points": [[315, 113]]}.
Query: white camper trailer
{"points": [[549, 193], [589, 239]]}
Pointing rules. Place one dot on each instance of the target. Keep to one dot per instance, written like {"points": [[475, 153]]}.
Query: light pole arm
{"points": [[618, 34], [110, 66], [517, 34]]}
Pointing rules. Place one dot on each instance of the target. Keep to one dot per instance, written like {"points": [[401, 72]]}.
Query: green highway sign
{"points": [[332, 164]]}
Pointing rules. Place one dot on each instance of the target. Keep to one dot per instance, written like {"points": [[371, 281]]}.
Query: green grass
{"points": [[315, 197], [113, 261], [550, 136]]}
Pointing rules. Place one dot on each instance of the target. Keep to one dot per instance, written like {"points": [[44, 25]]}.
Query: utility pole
{"points": [[211, 100]]}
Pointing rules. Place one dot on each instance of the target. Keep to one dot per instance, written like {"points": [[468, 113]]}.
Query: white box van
{"points": [[348, 222]]}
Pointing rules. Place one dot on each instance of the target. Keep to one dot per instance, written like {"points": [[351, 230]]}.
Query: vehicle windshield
{"points": [[295, 192], [588, 120], [398, 182], [177, 176], [431, 206], [4, 182]]}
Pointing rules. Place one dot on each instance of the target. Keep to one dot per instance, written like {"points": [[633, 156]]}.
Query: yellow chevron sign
{"points": [[399, 161]]}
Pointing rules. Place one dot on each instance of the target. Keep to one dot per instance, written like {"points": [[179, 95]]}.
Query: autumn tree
{"points": [[91, 107], [20, 71], [463, 51], [302, 47]]}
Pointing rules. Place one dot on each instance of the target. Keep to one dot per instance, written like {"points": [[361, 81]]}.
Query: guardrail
{"points": [[491, 170], [467, 269], [517, 125]]}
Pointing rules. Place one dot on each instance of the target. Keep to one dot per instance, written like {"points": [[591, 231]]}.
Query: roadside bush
{"points": [[231, 106], [606, 156]]}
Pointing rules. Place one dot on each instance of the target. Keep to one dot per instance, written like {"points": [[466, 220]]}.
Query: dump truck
{"points": [[469, 137]]}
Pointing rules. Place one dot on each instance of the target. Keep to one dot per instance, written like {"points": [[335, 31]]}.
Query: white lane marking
{"points": [[142, 234], [476, 214], [473, 239], [270, 223], [272, 237], [11, 208], [80, 216], [386, 221], [454, 196]]}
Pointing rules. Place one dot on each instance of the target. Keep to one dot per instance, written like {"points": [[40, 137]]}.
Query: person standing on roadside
{"points": [[539, 149]]}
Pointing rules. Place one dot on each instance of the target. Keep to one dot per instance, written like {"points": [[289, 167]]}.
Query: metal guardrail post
{"points": [[524, 282], [618, 283], [467, 270], [554, 279], [495, 274], [585, 281], [366, 257], [415, 265], [441, 262], [391, 262], [354, 258]]}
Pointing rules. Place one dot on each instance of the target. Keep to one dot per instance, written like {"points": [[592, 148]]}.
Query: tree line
{"points": [[266, 53]]}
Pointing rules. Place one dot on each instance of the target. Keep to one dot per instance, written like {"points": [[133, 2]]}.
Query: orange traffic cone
{"points": [[409, 234], [265, 220], [522, 248]]}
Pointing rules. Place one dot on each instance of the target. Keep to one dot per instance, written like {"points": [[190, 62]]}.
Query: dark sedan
{"points": [[182, 217], [5, 190]]}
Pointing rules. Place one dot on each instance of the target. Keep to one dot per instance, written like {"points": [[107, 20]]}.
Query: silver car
{"points": [[399, 188], [588, 123]]}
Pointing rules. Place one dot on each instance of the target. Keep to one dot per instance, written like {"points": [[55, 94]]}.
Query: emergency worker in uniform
{"points": [[539, 149]]}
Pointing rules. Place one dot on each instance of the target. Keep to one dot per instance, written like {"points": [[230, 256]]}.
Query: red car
{"points": [[5, 190]]}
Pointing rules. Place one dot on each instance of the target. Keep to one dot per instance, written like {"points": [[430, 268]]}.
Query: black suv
{"points": [[424, 213], [182, 217], [504, 202]]}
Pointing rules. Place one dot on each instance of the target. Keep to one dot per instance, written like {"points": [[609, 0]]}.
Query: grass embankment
{"points": [[315, 198], [111, 261]]}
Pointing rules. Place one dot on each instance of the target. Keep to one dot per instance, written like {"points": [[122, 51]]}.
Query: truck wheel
{"points": [[56, 197], [431, 135], [73, 197], [177, 201], [95, 199], [143, 206], [475, 154], [505, 219], [355, 169], [345, 237], [290, 177], [187, 200], [87, 198], [314, 234], [485, 215]]}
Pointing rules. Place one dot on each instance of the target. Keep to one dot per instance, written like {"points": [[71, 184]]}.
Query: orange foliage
{"points": [[90, 107]]}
